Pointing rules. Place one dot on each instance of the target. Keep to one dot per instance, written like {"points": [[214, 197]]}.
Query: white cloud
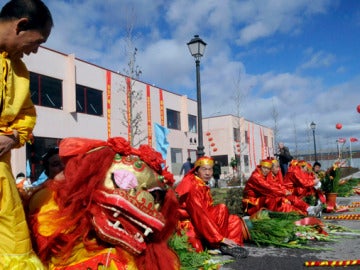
{"points": [[95, 30], [266, 18], [318, 60]]}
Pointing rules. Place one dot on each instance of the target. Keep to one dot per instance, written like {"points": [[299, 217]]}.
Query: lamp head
{"points": [[196, 47], [313, 125]]}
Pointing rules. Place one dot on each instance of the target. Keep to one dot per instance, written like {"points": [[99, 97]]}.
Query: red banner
{"points": [[148, 106], [108, 102], [162, 118], [249, 146], [262, 144], [352, 139], [128, 106], [341, 140]]}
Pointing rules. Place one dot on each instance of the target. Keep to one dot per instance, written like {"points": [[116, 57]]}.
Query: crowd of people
{"points": [[268, 189], [283, 184], [211, 226]]}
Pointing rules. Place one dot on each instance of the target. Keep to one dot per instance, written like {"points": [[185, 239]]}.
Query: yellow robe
{"points": [[17, 112]]}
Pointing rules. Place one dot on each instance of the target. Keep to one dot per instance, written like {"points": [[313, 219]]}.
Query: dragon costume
{"points": [[113, 208]]}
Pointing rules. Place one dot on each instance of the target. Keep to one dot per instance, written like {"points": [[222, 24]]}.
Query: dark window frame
{"points": [[173, 119], [46, 91], [247, 138], [192, 120], [236, 134], [87, 100]]}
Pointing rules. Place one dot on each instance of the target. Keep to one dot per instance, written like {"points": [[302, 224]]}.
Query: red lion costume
{"points": [[113, 207]]}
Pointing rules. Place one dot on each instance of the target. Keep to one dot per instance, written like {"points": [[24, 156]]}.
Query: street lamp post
{"points": [[313, 126], [197, 48]]}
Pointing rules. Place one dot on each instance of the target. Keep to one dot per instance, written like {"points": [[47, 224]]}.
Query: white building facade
{"points": [[230, 137], [74, 98]]}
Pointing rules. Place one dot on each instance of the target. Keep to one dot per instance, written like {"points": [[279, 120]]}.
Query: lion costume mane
{"points": [[113, 208]]}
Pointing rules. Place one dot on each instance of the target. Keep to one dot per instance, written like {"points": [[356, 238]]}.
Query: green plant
{"points": [[233, 162], [346, 189], [189, 258], [330, 180]]}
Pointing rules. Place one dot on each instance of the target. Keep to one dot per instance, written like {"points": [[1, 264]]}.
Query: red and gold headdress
{"points": [[294, 162], [305, 164], [266, 163], [273, 160], [204, 161]]}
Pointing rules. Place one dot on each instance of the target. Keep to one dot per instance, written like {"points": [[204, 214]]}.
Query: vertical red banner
{"points": [[162, 118], [253, 145], [108, 102], [128, 106], [262, 144], [148, 107], [249, 146]]}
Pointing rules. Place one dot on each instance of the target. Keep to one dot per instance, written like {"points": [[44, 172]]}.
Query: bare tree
{"points": [[239, 97], [131, 117]]}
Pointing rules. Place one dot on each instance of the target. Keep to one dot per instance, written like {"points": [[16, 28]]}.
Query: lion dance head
{"points": [[114, 206]]}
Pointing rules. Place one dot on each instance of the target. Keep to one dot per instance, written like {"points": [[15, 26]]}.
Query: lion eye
{"points": [[138, 164]]}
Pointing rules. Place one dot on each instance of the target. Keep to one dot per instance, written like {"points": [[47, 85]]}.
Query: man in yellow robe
{"points": [[24, 25]]}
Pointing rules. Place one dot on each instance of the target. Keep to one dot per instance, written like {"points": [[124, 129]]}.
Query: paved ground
{"points": [[271, 258]]}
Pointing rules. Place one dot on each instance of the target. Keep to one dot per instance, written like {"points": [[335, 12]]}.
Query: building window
{"points": [[222, 159], [46, 91], [192, 123], [247, 139], [236, 132], [89, 100], [176, 160], [246, 163], [173, 119]]}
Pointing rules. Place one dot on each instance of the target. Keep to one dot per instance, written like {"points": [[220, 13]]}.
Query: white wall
{"points": [[61, 123]]}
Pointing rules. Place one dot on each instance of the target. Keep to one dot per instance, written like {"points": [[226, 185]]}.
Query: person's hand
{"points": [[229, 242], [7, 143], [318, 185], [316, 181], [60, 176]]}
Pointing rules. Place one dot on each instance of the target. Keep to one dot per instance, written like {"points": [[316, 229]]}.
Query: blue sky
{"points": [[298, 58]]}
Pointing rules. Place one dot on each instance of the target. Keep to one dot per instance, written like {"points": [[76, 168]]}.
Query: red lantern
{"points": [[208, 133], [338, 126], [238, 145], [212, 144], [210, 139], [215, 149], [358, 108]]}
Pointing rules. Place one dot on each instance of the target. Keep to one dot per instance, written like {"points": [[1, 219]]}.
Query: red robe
{"points": [[268, 192], [301, 183], [205, 223]]}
